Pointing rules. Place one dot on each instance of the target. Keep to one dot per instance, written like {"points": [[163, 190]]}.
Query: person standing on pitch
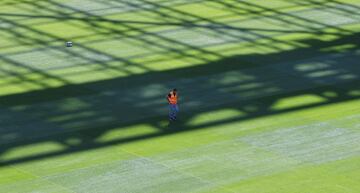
{"points": [[172, 98]]}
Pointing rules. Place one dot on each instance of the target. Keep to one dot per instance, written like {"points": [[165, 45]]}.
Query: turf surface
{"points": [[269, 96]]}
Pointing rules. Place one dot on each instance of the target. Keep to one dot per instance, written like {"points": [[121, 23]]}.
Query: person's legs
{"points": [[172, 113], [176, 110], [173, 110]]}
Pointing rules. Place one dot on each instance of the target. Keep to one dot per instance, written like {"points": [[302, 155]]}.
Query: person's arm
{"points": [[167, 98]]}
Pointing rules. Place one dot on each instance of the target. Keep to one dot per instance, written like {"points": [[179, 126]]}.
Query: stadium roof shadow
{"points": [[244, 83], [251, 84]]}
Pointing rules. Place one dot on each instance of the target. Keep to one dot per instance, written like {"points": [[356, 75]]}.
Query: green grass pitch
{"points": [[269, 96]]}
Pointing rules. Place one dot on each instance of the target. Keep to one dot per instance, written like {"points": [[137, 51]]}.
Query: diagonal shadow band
{"points": [[231, 83]]}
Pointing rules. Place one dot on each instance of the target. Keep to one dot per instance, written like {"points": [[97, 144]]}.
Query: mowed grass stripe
{"points": [[34, 184], [339, 176]]}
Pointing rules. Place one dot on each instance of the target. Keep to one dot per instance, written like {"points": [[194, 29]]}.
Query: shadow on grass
{"points": [[250, 84]]}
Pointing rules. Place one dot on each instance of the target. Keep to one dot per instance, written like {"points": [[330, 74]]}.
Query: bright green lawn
{"points": [[269, 96]]}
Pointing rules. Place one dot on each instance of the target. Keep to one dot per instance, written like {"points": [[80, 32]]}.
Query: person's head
{"points": [[174, 90]]}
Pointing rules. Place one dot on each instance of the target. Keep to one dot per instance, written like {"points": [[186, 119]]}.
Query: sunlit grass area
{"points": [[269, 96]]}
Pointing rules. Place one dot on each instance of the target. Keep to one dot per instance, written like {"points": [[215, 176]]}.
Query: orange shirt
{"points": [[172, 99]]}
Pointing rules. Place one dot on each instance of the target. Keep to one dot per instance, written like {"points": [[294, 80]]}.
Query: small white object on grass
{"points": [[69, 44]]}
